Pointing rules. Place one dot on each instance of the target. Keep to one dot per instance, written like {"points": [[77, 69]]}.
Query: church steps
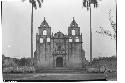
{"points": [[58, 70]]}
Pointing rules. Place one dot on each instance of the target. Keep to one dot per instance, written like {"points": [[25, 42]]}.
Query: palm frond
{"points": [[84, 3], [30, 1], [42, 1], [34, 3], [39, 3], [94, 2], [87, 3]]}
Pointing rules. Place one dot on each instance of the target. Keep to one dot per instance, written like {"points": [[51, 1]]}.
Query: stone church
{"points": [[59, 50]]}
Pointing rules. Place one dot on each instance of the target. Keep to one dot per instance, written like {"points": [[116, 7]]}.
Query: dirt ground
{"points": [[53, 76]]}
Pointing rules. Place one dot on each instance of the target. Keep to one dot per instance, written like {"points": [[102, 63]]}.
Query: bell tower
{"points": [[75, 41], [44, 39], [74, 29], [44, 29], [74, 32]]}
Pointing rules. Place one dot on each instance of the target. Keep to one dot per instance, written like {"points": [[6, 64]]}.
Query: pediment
{"points": [[59, 35]]}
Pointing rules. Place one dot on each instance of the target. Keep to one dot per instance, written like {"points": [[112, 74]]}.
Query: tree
{"points": [[8, 62], [34, 5], [110, 34], [87, 4], [23, 62]]}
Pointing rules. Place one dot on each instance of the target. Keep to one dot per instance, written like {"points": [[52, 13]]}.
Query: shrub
{"points": [[102, 69], [109, 63], [93, 70], [20, 69], [8, 69]]}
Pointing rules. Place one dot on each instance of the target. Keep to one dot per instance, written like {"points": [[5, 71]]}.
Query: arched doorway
{"points": [[59, 62]]}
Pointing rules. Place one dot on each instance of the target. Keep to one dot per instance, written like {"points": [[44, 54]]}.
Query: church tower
{"points": [[43, 43], [75, 43]]}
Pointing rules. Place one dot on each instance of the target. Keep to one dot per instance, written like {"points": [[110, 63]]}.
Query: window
{"points": [[41, 40], [77, 39], [48, 39], [70, 40], [73, 32], [44, 32]]}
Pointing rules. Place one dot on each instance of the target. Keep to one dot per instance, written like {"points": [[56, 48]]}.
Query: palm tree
{"points": [[34, 5], [87, 4], [1, 11]]}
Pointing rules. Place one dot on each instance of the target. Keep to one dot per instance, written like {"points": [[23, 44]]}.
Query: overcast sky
{"points": [[59, 14]]}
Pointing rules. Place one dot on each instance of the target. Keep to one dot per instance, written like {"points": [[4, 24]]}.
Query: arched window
{"points": [[48, 39], [77, 39], [70, 39], [41, 40], [44, 32], [73, 32]]}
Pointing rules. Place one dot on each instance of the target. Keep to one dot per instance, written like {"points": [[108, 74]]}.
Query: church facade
{"points": [[59, 50]]}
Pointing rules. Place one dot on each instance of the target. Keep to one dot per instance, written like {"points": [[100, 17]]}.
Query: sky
{"points": [[16, 25]]}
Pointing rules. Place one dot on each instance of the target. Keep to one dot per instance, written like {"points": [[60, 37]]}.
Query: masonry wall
{"points": [[73, 57], [46, 59], [75, 60]]}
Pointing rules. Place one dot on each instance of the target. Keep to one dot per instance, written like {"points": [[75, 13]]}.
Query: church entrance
{"points": [[59, 62]]}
